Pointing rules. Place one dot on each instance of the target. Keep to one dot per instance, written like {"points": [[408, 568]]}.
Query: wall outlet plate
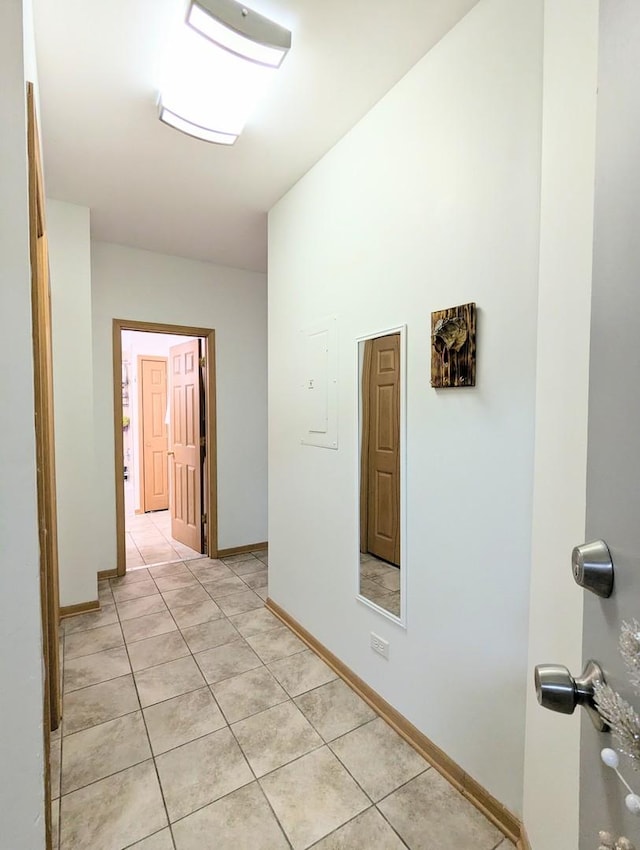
{"points": [[379, 645]]}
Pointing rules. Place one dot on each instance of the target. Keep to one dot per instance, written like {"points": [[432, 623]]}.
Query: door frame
{"points": [[361, 405], [140, 422], [45, 450], [210, 465]]}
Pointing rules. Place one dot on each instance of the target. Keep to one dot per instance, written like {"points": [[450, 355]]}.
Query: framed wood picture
{"points": [[453, 347]]}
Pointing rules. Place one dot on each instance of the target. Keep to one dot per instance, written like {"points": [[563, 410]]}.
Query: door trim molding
{"points": [[485, 802], [209, 336], [79, 608]]}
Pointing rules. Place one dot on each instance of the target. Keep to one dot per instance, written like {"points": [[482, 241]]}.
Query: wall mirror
{"points": [[381, 470]]}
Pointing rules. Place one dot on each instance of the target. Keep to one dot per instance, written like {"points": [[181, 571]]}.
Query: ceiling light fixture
{"points": [[241, 31], [218, 68]]}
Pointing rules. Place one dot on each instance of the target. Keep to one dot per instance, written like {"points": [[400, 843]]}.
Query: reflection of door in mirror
{"points": [[380, 472]]}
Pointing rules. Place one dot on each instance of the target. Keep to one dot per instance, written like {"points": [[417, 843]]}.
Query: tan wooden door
{"points": [[152, 373], [381, 440], [185, 455]]}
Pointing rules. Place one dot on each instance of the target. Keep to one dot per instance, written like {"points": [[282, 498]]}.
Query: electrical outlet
{"points": [[379, 645]]}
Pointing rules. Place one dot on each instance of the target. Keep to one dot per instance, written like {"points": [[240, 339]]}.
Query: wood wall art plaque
{"points": [[453, 347]]}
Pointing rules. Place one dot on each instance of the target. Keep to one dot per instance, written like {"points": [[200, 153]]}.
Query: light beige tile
{"points": [[115, 812], [241, 821], [260, 553], [168, 680], [134, 608], [254, 622], [368, 830], [378, 758], [428, 812], [148, 626], [157, 650], [301, 672], [224, 587], [99, 703], [247, 694], [153, 555], [194, 615], [102, 750], [176, 569], [208, 570], [275, 737], [186, 596], [198, 773], [371, 569], [256, 580], [92, 641], [175, 582], [106, 616], [55, 753], [275, 644], [209, 635], [105, 595], [91, 669], [313, 796], [182, 719], [227, 660], [236, 559], [390, 580], [133, 559], [263, 593], [160, 841], [55, 824], [238, 603], [135, 590], [247, 568], [334, 709], [130, 577]]}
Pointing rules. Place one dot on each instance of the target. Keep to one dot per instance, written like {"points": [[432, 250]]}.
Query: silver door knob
{"points": [[557, 690], [592, 567]]}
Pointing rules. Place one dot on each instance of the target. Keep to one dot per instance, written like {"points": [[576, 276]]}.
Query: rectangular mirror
{"points": [[381, 429]]}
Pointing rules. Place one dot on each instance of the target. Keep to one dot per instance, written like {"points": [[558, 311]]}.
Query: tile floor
{"points": [[149, 540], [193, 720], [380, 583]]}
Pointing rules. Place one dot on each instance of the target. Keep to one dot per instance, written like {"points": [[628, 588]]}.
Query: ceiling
{"points": [[152, 187]]}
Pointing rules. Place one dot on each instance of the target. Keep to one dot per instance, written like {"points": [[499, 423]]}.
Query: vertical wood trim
{"points": [[364, 450], [45, 450], [212, 448], [121, 551], [140, 436], [209, 335]]}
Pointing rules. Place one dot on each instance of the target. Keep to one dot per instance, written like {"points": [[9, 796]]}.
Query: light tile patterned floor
{"points": [[380, 582], [193, 719], [148, 536]]}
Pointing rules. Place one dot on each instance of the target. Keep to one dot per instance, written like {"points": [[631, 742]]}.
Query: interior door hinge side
{"points": [[202, 362]]}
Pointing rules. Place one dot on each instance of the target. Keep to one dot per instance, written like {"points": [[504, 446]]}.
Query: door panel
{"points": [[613, 470], [383, 535], [185, 463], [153, 391]]}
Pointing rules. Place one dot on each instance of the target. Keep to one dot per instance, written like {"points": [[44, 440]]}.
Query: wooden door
{"points": [[185, 456], [381, 447], [152, 372], [44, 430]]}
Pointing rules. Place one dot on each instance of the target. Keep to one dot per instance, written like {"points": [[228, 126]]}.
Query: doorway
{"points": [[164, 425]]}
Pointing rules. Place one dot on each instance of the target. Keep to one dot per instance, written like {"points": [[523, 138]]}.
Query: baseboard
{"points": [[79, 608], [523, 841], [498, 814], [240, 550], [105, 574]]}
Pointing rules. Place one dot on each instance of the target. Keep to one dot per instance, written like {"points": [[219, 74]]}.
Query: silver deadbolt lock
{"points": [[557, 690], [592, 567]]}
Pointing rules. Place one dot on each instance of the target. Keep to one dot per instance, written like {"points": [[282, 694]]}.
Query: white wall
{"points": [[70, 266], [21, 733], [431, 200], [564, 306], [132, 284]]}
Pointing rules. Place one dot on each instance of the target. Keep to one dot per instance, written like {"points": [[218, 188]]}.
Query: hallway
{"points": [[194, 719]]}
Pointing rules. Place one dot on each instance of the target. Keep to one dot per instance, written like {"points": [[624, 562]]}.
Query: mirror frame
{"points": [[402, 330]]}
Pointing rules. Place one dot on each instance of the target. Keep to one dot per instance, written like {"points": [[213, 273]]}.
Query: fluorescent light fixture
{"points": [[239, 30], [190, 129], [215, 75]]}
